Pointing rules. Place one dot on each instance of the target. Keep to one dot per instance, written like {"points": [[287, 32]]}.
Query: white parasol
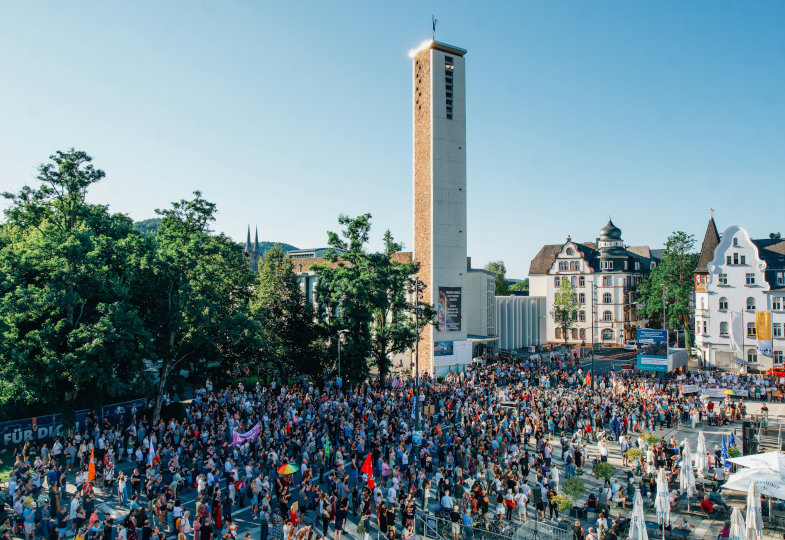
{"points": [[637, 519], [737, 529], [686, 476], [701, 459], [754, 515], [662, 503]]}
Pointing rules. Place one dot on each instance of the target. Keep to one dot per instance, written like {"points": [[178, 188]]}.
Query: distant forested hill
{"points": [[150, 226]]}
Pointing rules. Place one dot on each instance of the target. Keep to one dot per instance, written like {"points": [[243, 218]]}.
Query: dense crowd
{"points": [[497, 443]]}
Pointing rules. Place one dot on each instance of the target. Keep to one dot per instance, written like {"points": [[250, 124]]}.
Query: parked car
{"points": [[777, 372], [631, 345]]}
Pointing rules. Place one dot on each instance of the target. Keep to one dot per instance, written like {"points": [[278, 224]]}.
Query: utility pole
{"points": [[664, 320], [593, 318]]}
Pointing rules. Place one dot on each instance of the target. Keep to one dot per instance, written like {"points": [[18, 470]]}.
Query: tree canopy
{"points": [[565, 308], [502, 286]]}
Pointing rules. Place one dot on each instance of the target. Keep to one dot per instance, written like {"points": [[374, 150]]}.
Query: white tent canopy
{"points": [[766, 470], [771, 460]]}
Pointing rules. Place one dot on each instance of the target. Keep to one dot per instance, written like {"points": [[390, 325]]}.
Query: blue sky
{"points": [[286, 114]]}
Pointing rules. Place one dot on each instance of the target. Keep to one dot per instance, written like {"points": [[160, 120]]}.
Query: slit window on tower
{"points": [[448, 72]]}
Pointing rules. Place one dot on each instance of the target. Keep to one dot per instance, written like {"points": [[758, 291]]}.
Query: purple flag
{"points": [[240, 438]]}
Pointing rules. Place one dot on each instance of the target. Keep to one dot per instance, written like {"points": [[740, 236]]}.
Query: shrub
{"points": [[733, 452], [604, 470], [563, 502], [651, 439], [574, 487], [634, 454]]}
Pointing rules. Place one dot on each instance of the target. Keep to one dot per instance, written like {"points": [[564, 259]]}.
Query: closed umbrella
{"points": [[686, 476], [662, 503], [737, 529], [637, 519], [701, 459], [754, 515]]}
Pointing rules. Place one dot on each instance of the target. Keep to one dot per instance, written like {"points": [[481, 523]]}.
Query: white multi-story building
{"points": [[605, 274], [737, 276]]}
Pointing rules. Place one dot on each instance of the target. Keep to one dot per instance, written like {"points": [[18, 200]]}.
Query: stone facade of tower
{"points": [[439, 170]]}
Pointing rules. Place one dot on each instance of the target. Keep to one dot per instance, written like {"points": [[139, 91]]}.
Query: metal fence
{"points": [[434, 527]]}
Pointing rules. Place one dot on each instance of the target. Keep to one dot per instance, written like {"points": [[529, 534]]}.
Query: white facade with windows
{"points": [[744, 276], [605, 275]]}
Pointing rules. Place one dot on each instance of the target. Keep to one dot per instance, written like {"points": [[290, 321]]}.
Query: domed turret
{"points": [[610, 232], [611, 245]]}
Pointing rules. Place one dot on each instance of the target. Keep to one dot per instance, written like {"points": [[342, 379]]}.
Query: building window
{"points": [[607, 334], [779, 357], [750, 279], [569, 251], [637, 266], [563, 266], [780, 278], [752, 356], [583, 333], [743, 259], [750, 304], [558, 333], [607, 265], [556, 282], [582, 316], [575, 265], [574, 333], [607, 298], [728, 260], [723, 304], [776, 330], [735, 242], [581, 281], [705, 328], [776, 303], [722, 279], [724, 329], [607, 316], [735, 258], [581, 298], [448, 80], [606, 281], [751, 329], [574, 281]]}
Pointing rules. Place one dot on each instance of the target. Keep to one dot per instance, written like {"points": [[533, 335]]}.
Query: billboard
{"points": [[652, 349], [448, 309], [442, 348]]}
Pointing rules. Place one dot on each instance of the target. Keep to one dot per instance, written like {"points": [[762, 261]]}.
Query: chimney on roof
{"points": [[774, 236], [597, 242]]}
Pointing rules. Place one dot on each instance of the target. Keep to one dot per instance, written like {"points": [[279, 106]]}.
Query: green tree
{"points": [[520, 286], [671, 281], [565, 308], [71, 334], [199, 293], [288, 331], [367, 297], [500, 270]]}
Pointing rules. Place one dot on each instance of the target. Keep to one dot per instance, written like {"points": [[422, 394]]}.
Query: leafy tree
{"points": [[71, 333], [366, 296], [502, 285], [288, 332], [565, 308], [520, 286], [148, 226], [199, 293], [672, 281]]}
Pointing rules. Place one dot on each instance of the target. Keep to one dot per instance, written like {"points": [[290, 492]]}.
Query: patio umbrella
{"points": [[737, 529], [288, 468], [770, 460], [662, 503], [637, 519], [754, 515], [701, 459], [686, 476], [768, 482], [729, 392]]}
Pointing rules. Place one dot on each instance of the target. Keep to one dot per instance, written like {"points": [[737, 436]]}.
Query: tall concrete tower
{"points": [[440, 199]]}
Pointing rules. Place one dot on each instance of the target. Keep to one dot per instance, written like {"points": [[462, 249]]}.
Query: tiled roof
{"points": [[710, 241]]}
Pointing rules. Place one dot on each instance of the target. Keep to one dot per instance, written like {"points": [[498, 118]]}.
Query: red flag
{"points": [[367, 468], [91, 467]]}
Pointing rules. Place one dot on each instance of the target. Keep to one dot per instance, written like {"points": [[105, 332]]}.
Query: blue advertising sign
{"points": [[443, 348], [652, 349]]}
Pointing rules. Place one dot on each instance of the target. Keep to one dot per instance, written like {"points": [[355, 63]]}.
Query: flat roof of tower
{"points": [[438, 45]]}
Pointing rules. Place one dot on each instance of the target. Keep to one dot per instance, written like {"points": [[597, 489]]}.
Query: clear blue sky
{"points": [[286, 114]]}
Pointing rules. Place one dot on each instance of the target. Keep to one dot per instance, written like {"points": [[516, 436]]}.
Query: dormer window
{"points": [[569, 251], [735, 242]]}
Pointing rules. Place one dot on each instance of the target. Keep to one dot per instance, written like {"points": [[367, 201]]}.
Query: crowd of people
{"points": [[497, 442]]}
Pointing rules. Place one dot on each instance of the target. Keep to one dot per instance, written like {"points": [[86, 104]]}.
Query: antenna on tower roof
{"points": [[711, 211], [434, 22]]}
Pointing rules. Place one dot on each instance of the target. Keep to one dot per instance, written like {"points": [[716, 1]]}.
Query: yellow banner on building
{"points": [[763, 332]]}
